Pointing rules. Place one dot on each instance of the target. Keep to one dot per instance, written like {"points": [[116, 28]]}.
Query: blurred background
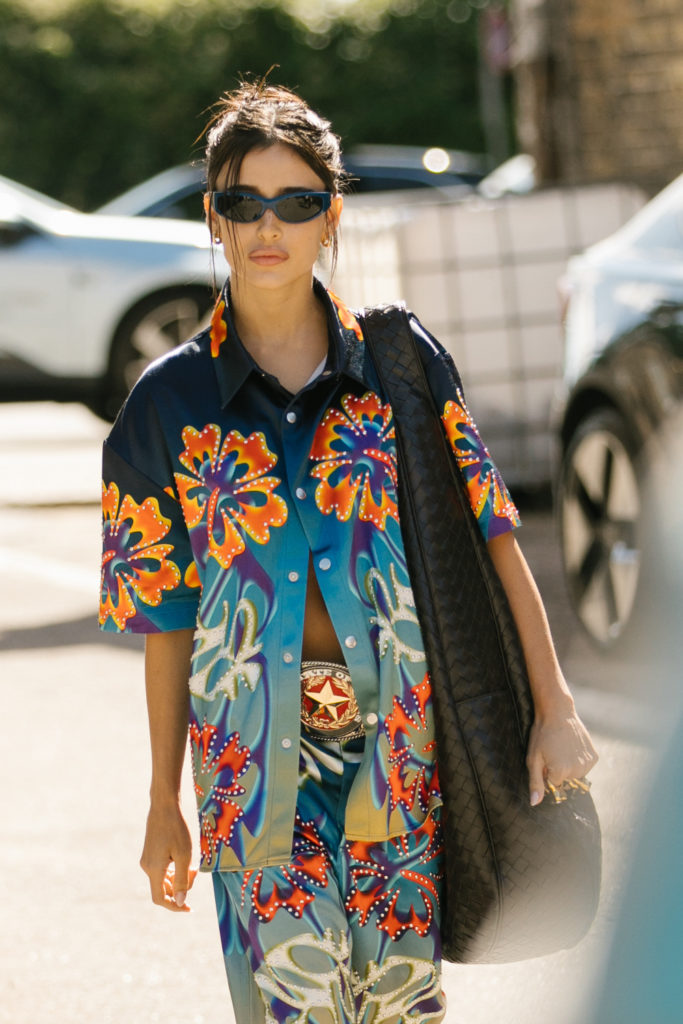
{"points": [[515, 179]]}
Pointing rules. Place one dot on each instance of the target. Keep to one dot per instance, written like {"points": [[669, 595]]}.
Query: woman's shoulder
{"points": [[169, 385], [428, 345], [437, 361], [173, 366]]}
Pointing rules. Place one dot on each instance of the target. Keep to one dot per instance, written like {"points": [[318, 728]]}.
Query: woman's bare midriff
{"points": [[320, 640]]}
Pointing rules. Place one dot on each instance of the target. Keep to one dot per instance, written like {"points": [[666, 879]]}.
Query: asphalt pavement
{"points": [[80, 941]]}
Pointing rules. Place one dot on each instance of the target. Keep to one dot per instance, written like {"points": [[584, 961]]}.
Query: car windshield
{"points": [[659, 225], [19, 199], [172, 193]]}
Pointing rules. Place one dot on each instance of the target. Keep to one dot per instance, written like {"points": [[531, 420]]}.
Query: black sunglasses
{"points": [[293, 208]]}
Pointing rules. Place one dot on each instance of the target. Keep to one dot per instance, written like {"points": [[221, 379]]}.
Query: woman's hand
{"points": [[559, 749], [166, 857]]}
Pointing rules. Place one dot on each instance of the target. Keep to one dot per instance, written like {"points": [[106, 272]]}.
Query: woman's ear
{"points": [[332, 220], [334, 213], [210, 219]]}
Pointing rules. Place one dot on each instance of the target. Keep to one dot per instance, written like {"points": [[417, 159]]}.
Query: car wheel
{"points": [[600, 512], [149, 330]]}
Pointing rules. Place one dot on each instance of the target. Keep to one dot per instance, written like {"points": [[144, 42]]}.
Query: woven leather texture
{"points": [[519, 881]]}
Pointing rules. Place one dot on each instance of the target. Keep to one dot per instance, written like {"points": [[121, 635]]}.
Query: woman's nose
{"points": [[269, 224]]}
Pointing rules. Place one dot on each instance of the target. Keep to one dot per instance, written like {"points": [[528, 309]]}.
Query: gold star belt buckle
{"points": [[329, 709]]}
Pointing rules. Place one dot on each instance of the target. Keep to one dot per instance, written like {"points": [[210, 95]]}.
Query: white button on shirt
{"points": [[293, 576], [325, 564], [291, 417], [371, 719], [300, 493], [350, 641]]}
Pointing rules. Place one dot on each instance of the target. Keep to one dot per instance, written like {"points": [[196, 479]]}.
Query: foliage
{"points": [[99, 94]]}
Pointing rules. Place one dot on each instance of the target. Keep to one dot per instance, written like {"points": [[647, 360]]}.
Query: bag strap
{"points": [[470, 635]]}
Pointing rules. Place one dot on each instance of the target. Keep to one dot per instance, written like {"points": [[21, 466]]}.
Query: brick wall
{"points": [[600, 88]]}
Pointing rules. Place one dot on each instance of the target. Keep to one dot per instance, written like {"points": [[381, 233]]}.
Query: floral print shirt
{"points": [[218, 486]]}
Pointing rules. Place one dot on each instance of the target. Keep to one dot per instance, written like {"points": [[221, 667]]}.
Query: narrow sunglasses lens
{"points": [[238, 207], [296, 209]]}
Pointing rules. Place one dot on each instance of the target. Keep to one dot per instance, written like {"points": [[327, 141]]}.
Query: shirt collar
{"points": [[233, 364]]}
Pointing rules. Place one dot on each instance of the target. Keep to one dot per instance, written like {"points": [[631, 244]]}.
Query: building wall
{"points": [[600, 88]]}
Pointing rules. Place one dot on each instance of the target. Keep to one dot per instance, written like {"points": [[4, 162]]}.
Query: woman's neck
{"points": [[285, 331]]}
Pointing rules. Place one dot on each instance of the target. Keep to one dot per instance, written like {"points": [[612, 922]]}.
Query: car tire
{"points": [[600, 511], [149, 330]]}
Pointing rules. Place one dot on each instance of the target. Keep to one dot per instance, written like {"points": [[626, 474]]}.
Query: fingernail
{"points": [[535, 798], [180, 898]]}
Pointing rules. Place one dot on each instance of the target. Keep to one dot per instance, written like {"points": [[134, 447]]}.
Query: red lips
{"points": [[268, 257]]}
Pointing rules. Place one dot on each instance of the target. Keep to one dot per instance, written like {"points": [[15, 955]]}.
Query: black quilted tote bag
{"points": [[520, 881]]}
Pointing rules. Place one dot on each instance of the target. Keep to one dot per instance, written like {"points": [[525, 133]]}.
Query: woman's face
{"points": [[270, 253]]}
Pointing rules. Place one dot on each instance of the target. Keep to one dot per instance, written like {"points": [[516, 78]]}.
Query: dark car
{"points": [[177, 193], [623, 384]]}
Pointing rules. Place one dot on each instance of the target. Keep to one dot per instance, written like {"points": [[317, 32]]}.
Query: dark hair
{"points": [[257, 115]]}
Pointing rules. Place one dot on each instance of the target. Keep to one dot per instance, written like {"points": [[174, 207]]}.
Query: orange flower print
{"points": [[484, 482], [216, 774], [346, 317], [308, 870], [410, 749], [228, 490], [355, 451], [134, 562], [219, 331], [397, 884]]}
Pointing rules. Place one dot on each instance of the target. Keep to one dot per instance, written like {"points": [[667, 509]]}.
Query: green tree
{"points": [[99, 96]]}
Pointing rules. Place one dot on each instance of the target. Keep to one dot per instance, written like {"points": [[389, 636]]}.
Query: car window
{"points": [[384, 183], [14, 193], [664, 234], [371, 179], [184, 206]]}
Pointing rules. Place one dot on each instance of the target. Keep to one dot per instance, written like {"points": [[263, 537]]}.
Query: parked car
{"points": [[623, 383], [87, 301], [177, 192]]}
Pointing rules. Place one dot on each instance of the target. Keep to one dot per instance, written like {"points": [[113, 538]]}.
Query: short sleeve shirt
{"points": [[219, 485]]}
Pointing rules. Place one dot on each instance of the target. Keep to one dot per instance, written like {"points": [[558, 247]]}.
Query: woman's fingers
{"points": [[536, 768], [166, 857], [558, 751], [177, 882]]}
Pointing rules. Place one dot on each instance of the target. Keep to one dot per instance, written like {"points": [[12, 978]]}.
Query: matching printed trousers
{"points": [[348, 931]]}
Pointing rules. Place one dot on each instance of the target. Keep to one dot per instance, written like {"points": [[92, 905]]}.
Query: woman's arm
{"points": [[559, 746], [168, 843]]}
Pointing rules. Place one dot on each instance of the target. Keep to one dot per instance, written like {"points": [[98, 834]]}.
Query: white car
{"points": [[86, 301], [621, 410]]}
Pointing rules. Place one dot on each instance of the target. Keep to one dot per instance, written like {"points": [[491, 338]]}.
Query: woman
{"points": [[251, 531]]}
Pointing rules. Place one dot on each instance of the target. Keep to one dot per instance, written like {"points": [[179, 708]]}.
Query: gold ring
{"points": [[560, 793]]}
